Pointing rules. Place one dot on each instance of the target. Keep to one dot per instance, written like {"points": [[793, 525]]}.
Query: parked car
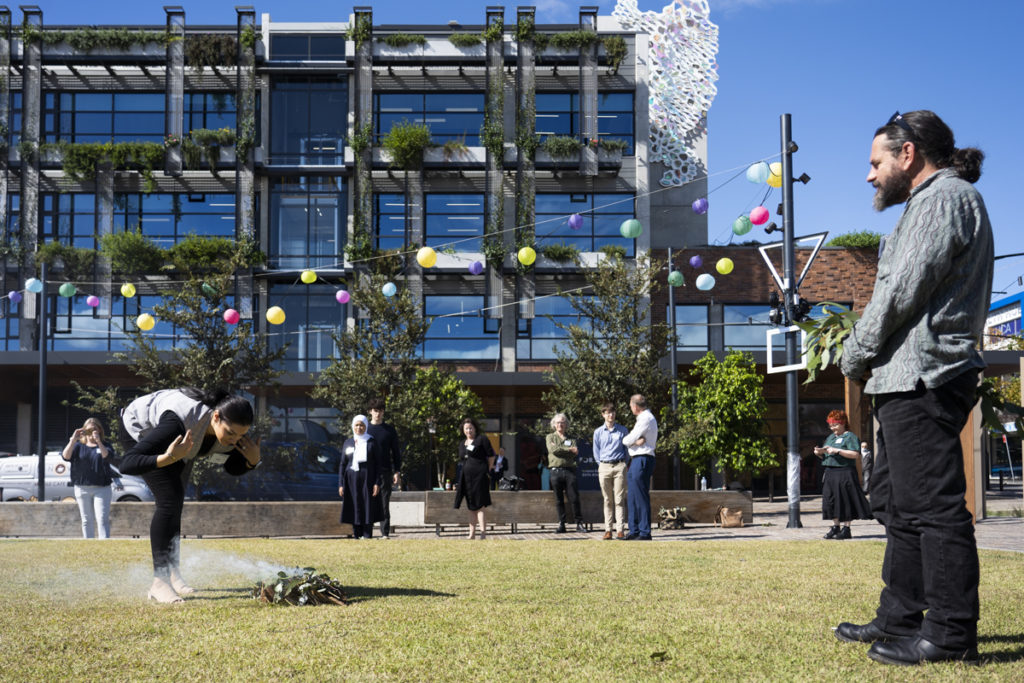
{"points": [[19, 480]]}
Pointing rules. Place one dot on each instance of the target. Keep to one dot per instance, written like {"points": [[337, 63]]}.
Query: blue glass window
{"points": [[450, 116], [69, 219], [168, 218], [602, 215], [74, 325], [539, 338], [746, 327], [211, 110], [455, 220], [312, 315], [559, 114], [307, 46], [691, 327], [103, 117], [308, 222], [390, 218], [458, 329], [309, 121]]}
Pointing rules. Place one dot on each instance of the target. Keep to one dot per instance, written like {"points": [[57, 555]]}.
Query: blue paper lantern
{"points": [[389, 289], [758, 173]]}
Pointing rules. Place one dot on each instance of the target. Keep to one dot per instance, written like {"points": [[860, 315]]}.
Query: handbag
{"points": [[729, 518], [511, 483]]}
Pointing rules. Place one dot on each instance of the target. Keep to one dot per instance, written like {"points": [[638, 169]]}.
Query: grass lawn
{"points": [[432, 609]]}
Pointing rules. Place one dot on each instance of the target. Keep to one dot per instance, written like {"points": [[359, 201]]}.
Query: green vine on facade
{"points": [[495, 31], [210, 49], [406, 142], [561, 146], [81, 160], [360, 31], [74, 263], [570, 40], [207, 143], [247, 39], [400, 40], [615, 48], [88, 38], [360, 247], [561, 253], [465, 39]]}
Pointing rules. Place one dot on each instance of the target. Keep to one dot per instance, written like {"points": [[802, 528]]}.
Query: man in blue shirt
{"points": [[611, 456]]}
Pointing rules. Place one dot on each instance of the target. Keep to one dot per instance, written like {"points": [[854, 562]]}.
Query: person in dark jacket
{"points": [[171, 428], [91, 475], [477, 458], [390, 449], [359, 480], [499, 469]]}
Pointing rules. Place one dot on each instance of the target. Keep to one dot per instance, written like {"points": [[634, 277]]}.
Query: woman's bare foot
{"points": [[161, 591]]}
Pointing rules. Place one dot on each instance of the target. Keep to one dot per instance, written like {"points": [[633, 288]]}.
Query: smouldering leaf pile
{"points": [[304, 588]]}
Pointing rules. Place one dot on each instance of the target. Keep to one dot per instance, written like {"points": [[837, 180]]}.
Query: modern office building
{"points": [[303, 173]]}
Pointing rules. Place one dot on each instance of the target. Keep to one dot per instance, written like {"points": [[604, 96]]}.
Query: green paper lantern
{"points": [[209, 290], [67, 290], [631, 229], [675, 278]]}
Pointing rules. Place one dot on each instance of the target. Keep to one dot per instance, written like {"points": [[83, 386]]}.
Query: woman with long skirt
{"points": [[473, 484]]}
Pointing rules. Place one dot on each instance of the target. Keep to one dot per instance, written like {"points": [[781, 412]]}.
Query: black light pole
{"points": [[672, 361], [792, 350], [41, 415]]}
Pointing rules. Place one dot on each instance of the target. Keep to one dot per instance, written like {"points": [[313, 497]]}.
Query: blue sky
{"points": [[839, 67]]}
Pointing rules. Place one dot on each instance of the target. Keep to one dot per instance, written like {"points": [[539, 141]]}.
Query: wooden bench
{"points": [[538, 507]]}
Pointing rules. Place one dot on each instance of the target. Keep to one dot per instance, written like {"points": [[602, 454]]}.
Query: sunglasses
{"points": [[897, 118]]}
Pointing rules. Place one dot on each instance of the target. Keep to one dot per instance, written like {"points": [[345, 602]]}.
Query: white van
{"points": [[19, 480]]}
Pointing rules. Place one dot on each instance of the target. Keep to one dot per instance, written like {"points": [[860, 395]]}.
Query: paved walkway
{"points": [[770, 524]]}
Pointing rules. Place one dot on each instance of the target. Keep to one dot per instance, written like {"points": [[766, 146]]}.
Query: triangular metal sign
{"points": [[818, 237]]}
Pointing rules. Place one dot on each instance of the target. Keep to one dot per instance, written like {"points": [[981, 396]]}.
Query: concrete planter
{"points": [[436, 48]]}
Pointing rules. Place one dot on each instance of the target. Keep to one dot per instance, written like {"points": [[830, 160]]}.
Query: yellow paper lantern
{"points": [[128, 290], [308, 277], [145, 321], [724, 266], [527, 256], [275, 316], [426, 257], [775, 177]]}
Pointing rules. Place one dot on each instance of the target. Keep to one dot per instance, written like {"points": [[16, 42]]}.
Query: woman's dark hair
{"points": [[233, 408], [472, 422], [934, 140]]}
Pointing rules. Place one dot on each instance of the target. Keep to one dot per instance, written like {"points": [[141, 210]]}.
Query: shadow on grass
{"points": [[361, 593], [1008, 655]]}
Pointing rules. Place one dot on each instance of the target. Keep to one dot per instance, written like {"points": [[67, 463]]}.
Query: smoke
{"points": [[213, 569]]}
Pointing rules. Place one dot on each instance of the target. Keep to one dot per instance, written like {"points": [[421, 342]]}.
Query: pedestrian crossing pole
{"points": [[791, 299]]}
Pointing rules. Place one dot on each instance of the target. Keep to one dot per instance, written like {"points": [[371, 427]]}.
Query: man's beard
{"points": [[893, 191]]}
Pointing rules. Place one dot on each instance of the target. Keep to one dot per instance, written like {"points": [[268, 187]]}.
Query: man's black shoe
{"points": [[915, 650], [560, 529], [866, 633], [581, 527]]}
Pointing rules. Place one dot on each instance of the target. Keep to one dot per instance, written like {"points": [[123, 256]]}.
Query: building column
{"points": [[174, 88], [588, 94], [245, 140], [31, 85], [104, 226], [526, 187], [5, 125], [495, 192]]}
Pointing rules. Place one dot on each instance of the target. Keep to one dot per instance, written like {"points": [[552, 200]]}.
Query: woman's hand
{"points": [[376, 489], [180, 447], [341, 492], [250, 449]]}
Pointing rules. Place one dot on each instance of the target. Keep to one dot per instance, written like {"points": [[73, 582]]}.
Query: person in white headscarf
{"points": [[359, 480]]}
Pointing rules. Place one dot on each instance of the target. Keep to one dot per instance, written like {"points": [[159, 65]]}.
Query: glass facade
{"points": [[211, 110], [103, 117], [602, 215], [312, 315], [308, 121], [74, 325], [455, 220], [308, 222], [449, 115], [307, 46], [69, 219], [746, 326], [692, 327], [459, 331], [538, 338], [390, 220], [168, 218], [559, 114]]}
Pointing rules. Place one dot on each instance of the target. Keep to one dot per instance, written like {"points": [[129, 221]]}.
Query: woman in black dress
{"points": [[359, 480], [473, 484], [842, 499]]}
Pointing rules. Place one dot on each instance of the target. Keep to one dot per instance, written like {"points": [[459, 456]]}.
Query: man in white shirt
{"points": [[640, 443]]}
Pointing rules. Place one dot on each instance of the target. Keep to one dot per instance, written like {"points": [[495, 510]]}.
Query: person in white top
{"points": [[640, 443]]}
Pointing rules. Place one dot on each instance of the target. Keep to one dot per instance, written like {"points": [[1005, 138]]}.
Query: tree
{"points": [[613, 351], [435, 400], [209, 353], [721, 418], [379, 356]]}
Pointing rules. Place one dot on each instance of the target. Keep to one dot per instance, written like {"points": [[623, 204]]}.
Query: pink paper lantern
{"points": [[92, 300], [342, 296], [231, 316], [759, 216]]}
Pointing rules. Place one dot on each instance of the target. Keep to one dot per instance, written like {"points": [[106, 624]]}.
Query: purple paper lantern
{"points": [[575, 221], [476, 267], [15, 297], [700, 206], [696, 261]]}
